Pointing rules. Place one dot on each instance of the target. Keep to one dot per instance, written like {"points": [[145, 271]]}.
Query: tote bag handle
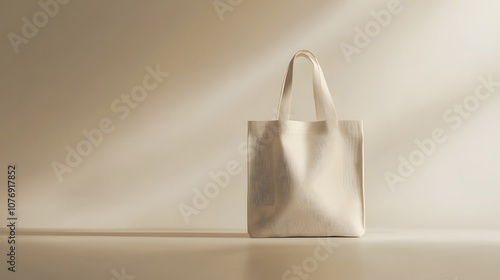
{"points": [[325, 109]]}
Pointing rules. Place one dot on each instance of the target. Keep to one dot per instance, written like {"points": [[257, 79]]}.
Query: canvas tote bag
{"points": [[305, 178]]}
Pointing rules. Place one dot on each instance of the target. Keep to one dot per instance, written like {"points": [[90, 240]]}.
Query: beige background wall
{"points": [[224, 69]]}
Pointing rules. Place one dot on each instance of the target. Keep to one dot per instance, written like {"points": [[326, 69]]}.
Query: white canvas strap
{"points": [[325, 109]]}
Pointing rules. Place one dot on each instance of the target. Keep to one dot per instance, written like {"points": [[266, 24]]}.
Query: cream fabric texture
{"points": [[305, 178]]}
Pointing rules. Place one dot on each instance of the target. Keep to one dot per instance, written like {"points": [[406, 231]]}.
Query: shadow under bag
{"points": [[306, 178]]}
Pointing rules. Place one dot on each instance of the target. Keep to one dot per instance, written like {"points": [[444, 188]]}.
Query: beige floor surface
{"points": [[380, 254]]}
